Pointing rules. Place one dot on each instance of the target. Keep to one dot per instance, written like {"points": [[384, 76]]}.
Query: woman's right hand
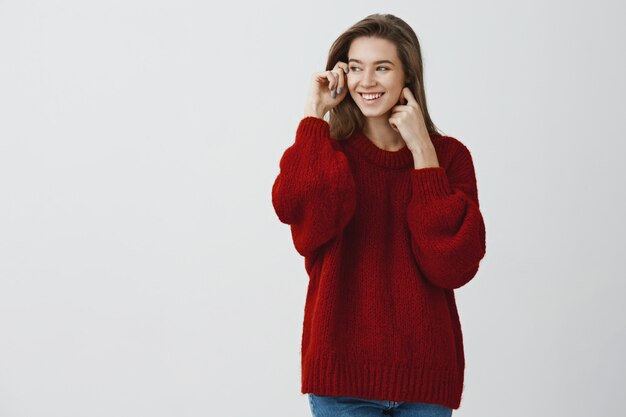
{"points": [[326, 90]]}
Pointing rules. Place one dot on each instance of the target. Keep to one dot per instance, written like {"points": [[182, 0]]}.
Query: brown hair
{"points": [[345, 118]]}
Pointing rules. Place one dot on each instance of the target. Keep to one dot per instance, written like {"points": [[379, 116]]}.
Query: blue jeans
{"points": [[330, 406]]}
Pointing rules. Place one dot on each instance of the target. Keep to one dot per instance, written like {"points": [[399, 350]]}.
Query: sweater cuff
{"points": [[312, 127], [430, 183]]}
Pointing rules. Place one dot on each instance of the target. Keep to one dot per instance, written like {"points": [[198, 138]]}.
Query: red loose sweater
{"points": [[384, 246]]}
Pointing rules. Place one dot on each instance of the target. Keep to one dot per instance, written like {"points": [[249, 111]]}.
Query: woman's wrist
{"points": [[314, 111]]}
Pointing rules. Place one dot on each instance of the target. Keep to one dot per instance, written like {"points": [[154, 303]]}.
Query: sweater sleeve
{"points": [[446, 226], [314, 191]]}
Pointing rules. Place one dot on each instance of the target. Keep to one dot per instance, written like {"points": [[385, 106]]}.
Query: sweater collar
{"points": [[401, 158]]}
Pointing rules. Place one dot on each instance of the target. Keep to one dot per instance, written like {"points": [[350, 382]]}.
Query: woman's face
{"points": [[368, 75]]}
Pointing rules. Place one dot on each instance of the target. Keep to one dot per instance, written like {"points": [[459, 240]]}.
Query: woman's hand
{"points": [[326, 90], [407, 119]]}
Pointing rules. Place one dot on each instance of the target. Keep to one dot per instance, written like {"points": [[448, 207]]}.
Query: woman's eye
{"points": [[357, 68]]}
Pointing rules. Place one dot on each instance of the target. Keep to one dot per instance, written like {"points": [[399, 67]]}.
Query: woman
{"points": [[385, 211]]}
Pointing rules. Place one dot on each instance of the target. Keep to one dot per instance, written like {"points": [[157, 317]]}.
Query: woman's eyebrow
{"points": [[383, 61]]}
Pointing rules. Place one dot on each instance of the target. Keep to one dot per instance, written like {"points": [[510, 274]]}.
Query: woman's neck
{"points": [[380, 132]]}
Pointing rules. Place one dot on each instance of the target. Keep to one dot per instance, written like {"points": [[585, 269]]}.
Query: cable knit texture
{"points": [[384, 245]]}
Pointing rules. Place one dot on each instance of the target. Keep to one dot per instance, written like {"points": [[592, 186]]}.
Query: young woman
{"points": [[385, 211]]}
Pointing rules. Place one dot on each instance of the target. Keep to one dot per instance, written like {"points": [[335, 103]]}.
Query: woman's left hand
{"points": [[407, 119]]}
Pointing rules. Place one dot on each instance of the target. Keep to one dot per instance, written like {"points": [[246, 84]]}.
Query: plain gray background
{"points": [[143, 271]]}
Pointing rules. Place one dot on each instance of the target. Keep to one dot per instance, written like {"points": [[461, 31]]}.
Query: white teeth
{"points": [[371, 96]]}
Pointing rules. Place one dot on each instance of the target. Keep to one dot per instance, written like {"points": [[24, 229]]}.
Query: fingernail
{"points": [[347, 70], [340, 90], [334, 94]]}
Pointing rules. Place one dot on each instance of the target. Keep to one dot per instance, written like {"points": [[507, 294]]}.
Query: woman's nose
{"points": [[368, 79]]}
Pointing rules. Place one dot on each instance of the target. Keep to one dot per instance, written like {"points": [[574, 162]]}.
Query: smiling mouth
{"points": [[371, 97]]}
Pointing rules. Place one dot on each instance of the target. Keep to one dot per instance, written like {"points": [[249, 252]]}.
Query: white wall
{"points": [[143, 271]]}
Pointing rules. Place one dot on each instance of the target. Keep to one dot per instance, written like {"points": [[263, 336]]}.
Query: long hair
{"points": [[346, 117]]}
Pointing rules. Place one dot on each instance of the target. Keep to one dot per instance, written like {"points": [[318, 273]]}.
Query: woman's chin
{"points": [[373, 112]]}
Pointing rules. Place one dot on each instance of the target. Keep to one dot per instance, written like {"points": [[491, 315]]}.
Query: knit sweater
{"points": [[384, 245]]}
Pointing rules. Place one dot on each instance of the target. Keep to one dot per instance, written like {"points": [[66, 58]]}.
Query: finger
{"points": [[399, 107], [393, 125], [395, 110], [341, 81], [338, 73], [341, 68], [342, 65], [322, 77], [332, 80], [408, 95]]}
